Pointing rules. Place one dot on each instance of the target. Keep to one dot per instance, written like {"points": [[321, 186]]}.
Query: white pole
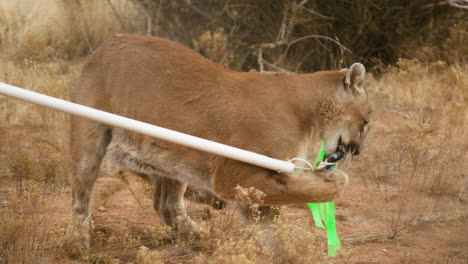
{"points": [[148, 129]]}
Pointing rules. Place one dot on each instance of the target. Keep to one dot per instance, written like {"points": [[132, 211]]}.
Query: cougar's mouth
{"points": [[351, 148]]}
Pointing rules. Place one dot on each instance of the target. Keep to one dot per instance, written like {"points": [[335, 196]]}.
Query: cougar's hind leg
{"points": [[168, 201], [205, 197], [89, 141]]}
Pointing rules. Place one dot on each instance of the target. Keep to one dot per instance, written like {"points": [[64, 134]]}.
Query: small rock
{"points": [[102, 209], [384, 250]]}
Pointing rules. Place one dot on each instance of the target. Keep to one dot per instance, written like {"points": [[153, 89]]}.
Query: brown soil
{"points": [[364, 218]]}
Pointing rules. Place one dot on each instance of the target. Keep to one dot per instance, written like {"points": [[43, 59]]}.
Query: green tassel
{"points": [[324, 214]]}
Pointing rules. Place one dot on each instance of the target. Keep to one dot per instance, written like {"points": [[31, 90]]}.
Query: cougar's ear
{"points": [[355, 78]]}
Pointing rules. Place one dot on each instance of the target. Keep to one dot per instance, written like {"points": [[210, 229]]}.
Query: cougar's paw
{"points": [[338, 177], [206, 198], [187, 227], [76, 242]]}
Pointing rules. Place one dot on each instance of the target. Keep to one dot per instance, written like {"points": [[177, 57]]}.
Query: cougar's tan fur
{"points": [[166, 84]]}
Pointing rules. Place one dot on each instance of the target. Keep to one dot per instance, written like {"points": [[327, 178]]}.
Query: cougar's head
{"points": [[351, 109]]}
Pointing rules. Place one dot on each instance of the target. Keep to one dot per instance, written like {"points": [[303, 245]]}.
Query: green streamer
{"points": [[324, 214]]}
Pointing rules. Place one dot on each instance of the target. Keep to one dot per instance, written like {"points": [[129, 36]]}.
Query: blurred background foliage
{"points": [[292, 35], [313, 35]]}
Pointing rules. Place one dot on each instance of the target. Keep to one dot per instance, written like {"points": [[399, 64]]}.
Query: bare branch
{"points": [[157, 18], [322, 37], [431, 5], [316, 13], [304, 59], [301, 4], [85, 36], [285, 30], [270, 45], [277, 69], [289, 44], [282, 30], [274, 67], [197, 10], [149, 25], [308, 37], [287, 24], [260, 60], [116, 14], [292, 22], [463, 4]]}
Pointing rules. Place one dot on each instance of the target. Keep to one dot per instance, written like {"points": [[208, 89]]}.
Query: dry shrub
{"points": [[22, 237], [110, 188], [182, 21], [34, 139], [229, 241], [31, 155], [26, 237], [215, 46], [239, 246], [284, 241], [315, 35], [145, 256], [415, 85], [44, 29], [33, 159], [293, 243], [249, 195], [296, 35], [418, 150], [54, 78]]}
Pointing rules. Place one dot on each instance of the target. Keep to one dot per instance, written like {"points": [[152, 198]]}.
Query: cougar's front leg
{"points": [[205, 197], [168, 201], [233, 178], [88, 147]]}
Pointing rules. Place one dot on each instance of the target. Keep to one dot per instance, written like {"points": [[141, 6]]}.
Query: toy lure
{"points": [[324, 213]]}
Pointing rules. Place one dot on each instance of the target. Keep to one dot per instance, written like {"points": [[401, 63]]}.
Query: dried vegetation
{"points": [[412, 172]]}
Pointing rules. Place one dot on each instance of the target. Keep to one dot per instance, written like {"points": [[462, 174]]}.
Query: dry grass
{"points": [[50, 29], [418, 150], [415, 160], [423, 127]]}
